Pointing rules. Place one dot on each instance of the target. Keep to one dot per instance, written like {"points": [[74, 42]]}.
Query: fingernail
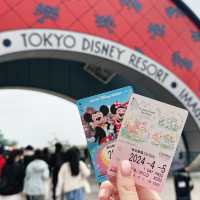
{"points": [[102, 193], [125, 168]]}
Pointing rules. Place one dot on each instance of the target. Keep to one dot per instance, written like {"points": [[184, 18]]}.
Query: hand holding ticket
{"points": [[101, 116], [125, 188], [148, 138]]}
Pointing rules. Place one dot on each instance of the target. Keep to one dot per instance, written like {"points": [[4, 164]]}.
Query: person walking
{"points": [[56, 161], [71, 177], [28, 155], [48, 182], [2, 159], [11, 184], [37, 173]]}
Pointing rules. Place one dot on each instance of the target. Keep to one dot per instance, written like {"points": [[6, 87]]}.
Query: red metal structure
{"points": [[154, 38]]}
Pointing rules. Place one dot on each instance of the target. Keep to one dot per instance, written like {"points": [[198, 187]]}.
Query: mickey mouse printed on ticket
{"points": [[101, 116]]}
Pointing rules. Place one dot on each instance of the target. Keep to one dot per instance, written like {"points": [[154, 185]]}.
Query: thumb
{"points": [[125, 182]]}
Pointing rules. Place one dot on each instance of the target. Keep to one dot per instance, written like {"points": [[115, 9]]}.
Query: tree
{"points": [[6, 142]]}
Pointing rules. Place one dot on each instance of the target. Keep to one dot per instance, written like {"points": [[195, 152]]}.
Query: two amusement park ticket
{"points": [[147, 136]]}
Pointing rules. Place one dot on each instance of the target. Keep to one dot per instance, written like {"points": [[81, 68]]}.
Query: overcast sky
{"points": [[32, 117], [194, 5]]}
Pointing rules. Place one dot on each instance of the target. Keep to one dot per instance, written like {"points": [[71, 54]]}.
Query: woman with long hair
{"points": [[71, 177]]}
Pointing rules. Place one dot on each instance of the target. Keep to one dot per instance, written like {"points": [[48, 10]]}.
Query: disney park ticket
{"points": [[101, 117], [148, 138]]}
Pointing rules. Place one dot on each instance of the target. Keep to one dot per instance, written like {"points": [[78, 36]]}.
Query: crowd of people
{"points": [[28, 174], [35, 174]]}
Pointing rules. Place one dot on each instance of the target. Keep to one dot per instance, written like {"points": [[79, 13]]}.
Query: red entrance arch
{"points": [[156, 29]]}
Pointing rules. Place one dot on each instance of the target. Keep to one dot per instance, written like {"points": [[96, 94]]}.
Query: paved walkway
{"points": [[167, 194]]}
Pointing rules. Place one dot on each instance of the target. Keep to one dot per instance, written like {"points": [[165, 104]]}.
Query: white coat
{"points": [[37, 173]]}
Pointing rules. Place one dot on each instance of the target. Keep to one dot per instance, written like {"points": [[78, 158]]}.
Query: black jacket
{"points": [[12, 179]]}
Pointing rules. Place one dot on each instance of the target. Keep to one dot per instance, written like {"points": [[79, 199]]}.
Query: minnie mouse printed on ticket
{"points": [[101, 117]]}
